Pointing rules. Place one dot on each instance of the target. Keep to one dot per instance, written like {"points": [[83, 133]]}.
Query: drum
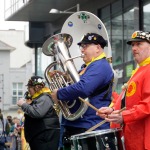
{"points": [[109, 139]]}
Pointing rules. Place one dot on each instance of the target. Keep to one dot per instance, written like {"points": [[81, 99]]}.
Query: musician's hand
{"points": [[115, 117], [54, 96], [104, 111], [21, 102], [54, 72]]}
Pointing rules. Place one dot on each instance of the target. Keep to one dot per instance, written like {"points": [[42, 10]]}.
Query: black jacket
{"points": [[39, 116]]}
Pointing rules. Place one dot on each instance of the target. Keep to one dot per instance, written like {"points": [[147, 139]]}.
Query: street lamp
{"points": [[67, 11]]}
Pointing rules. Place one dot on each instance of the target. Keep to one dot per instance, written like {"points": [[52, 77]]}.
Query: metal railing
{"points": [[12, 6]]}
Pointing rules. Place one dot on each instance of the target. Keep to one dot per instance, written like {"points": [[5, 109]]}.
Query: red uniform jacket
{"points": [[137, 114]]}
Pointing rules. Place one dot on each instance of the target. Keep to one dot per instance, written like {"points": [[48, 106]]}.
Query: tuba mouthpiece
{"points": [[82, 55]]}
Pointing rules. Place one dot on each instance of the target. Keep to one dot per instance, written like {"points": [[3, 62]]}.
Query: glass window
{"points": [[14, 92], [108, 26], [104, 12], [146, 20], [14, 86], [14, 100], [17, 92], [128, 30], [128, 4], [119, 88], [116, 7], [20, 93], [39, 61], [20, 85], [117, 34], [104, 15], [120, 26], [42, 62]]}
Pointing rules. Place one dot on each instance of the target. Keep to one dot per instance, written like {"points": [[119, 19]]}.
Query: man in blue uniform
{"points": [[95, 83]]}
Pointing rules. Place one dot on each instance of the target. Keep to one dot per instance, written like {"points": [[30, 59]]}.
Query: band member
{"points": [[136, 118], [41, 123], [95, 82]]}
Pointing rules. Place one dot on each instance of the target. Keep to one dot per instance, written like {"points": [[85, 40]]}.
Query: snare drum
{"points": [[108, 139]]}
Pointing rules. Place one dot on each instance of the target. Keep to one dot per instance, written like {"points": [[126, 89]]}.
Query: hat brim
{"points": [[135, 40], [83, 42]]}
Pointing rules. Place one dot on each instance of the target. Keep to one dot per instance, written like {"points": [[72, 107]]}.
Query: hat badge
{"points": [[39, 80], [134, 35], [94, 38], [90, 37]]}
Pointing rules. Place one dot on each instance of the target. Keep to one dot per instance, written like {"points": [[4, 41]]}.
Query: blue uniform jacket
{"points": [[96, 76]]}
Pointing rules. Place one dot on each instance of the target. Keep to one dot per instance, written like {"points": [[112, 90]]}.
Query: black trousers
{"points": [[86, 144], [47, 140]]}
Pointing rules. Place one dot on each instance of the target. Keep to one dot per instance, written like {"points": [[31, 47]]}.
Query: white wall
{"points": [[22, 54], [4, 78]]}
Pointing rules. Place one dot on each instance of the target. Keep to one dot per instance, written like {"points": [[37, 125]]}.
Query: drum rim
{"points": [[94, 133]]}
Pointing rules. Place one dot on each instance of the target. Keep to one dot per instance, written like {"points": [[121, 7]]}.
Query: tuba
{"points": [[64, 47], [57, 46]]}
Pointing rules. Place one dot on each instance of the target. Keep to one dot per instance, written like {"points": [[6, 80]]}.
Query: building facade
{"points": [[5, 50], [16, 67], [121, 18]]}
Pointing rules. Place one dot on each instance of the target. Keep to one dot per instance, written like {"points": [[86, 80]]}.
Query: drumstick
{"points": [[88, 104], [102, 122]]}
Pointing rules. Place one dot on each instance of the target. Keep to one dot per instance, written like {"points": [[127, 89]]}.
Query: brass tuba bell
{"points": [[58, 45]]}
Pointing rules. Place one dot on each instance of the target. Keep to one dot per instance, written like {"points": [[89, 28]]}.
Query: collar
{"points": [[143, 63], [43, 90], [97, 58]]}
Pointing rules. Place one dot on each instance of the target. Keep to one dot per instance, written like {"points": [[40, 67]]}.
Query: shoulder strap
{"points": [[106, 88]]}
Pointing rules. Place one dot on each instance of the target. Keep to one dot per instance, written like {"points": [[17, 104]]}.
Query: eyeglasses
{"points": [[84, 46]]}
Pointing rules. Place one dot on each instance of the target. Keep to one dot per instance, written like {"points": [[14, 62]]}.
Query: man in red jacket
{"points": [[136, 118]]}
